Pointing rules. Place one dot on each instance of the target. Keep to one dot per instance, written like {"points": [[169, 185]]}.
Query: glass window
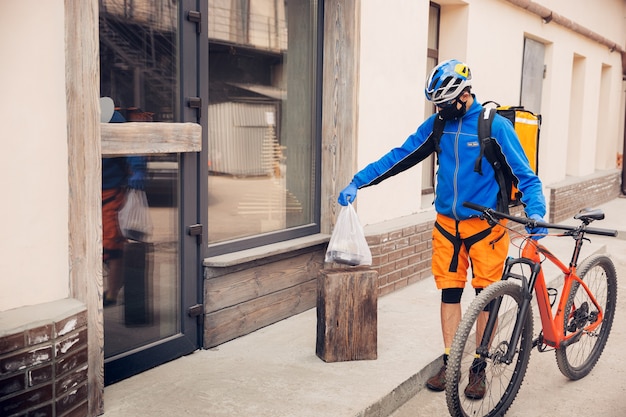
{"points": [[138, 58], [138, 66], [263, 122]]}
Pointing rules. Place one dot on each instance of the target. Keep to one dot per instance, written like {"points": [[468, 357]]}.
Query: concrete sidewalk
{"points": [[275, 372]]}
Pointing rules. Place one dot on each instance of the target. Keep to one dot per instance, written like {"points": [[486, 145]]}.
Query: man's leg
{"points": [[112, 243], [114, 281], [450, 318], [488, 256], [449, 265]]}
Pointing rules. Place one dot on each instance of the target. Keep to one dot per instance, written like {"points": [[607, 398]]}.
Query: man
{"points": [[118, 174], [459, 236]]}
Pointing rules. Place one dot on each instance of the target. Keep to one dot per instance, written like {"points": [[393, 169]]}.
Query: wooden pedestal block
{"points": [[347, 315]]}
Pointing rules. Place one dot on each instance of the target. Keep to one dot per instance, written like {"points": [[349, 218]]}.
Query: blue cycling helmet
{"points": [[447, 81]]}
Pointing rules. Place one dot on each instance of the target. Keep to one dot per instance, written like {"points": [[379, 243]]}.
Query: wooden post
{"points": [[347, 312], [82, 87]]}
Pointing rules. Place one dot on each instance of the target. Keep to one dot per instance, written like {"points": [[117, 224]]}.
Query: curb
{"points": [[402, 393]]}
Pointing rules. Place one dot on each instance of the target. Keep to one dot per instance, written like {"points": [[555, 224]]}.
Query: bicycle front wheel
{"points": [[500, 379], [577, 359]]}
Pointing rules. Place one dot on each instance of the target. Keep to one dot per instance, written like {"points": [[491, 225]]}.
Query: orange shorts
{"points": [[112, 238], [457, 243]]}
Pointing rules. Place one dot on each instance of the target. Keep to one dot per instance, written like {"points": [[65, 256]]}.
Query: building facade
{"points": [[252, 116]]}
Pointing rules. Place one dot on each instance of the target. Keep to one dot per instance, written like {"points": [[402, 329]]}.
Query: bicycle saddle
{"points": [[588, 215]]}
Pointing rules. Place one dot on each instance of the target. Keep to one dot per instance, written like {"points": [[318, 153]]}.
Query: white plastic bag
{"points": [[134, 217], [347, 243]]}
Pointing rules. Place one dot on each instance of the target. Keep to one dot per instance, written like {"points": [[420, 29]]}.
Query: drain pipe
{"points": [[550, 16], [624, 148]]}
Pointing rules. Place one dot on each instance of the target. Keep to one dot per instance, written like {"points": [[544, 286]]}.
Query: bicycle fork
{"points": [[527, 284]]}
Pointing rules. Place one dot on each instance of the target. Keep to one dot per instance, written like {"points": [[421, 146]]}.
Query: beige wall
{"points": [[582, 78], [391, 99], [34, 167]]}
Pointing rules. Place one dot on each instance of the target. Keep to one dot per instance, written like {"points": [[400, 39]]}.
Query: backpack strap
{"points": [[485, 119], [438, 126], [488, 149]]}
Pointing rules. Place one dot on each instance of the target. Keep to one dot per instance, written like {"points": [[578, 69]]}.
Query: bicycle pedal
{"points": [[538, 341]]}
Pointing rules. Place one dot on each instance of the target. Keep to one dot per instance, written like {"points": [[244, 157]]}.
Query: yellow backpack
{"points": [[527, 125]]}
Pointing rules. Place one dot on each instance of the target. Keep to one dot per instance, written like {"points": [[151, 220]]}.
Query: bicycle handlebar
{"points": [[493, 214]]}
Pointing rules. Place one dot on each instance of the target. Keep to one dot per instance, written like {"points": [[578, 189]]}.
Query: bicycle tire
{"points": [[578, 359], [502, 381]]}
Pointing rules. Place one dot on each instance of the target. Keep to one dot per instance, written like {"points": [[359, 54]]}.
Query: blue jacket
{"points": [[115, 171], [456, 180]]}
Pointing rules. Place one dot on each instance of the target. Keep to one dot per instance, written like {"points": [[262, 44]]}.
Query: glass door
{"points": [[149, 55]]}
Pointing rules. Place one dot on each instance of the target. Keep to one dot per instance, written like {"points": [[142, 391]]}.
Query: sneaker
{"points": [[437, 382], [477, 386]]}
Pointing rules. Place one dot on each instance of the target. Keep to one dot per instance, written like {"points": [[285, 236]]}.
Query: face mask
{"points": [[451, 112]]}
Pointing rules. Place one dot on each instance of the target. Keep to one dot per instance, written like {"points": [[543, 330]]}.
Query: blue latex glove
{"points": [[136, 180], [348, 194], [539, 232]]}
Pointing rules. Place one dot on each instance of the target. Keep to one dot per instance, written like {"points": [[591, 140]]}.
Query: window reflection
{"points": [[138, 58], [261, 116], [147, 306]]}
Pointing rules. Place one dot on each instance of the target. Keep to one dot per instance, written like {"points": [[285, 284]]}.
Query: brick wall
{"points": [[568, 197], [43, 361], [402, 255]]}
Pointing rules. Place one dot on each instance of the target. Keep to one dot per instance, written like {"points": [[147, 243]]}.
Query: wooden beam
{"points": [[340, 109], [246, 285], [149, 138], [232, 322]]}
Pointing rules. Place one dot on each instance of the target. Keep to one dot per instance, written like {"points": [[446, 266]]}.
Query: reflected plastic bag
{"points": [[347, 243], [134, 217]]}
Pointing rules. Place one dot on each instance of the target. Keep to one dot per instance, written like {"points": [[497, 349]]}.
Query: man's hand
{"points": [[348, 194], [136, 180], [537, 232]]}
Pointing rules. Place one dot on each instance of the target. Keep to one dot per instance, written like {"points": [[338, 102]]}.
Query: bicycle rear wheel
{"points": [[502, 380], [578, 359]]}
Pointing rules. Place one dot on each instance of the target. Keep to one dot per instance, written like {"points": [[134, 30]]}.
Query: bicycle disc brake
{"points": [[497, 357]]}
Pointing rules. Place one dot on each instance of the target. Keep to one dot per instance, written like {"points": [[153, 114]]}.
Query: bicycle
{"points": [[577, 332]]}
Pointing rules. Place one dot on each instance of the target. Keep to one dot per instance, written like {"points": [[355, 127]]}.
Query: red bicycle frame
{"points": [[552, 325]]}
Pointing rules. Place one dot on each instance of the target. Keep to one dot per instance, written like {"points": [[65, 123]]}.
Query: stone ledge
{"points": [[22, 318], [44, 360]]}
